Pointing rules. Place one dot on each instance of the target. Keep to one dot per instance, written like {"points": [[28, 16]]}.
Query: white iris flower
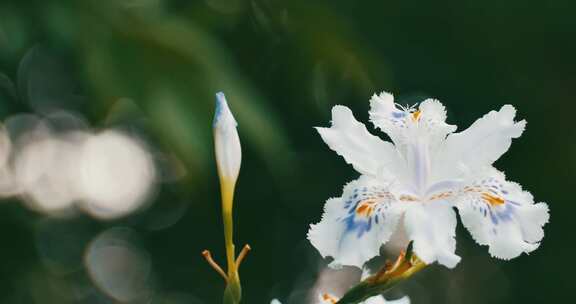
{"points": [[421, 175], [328, 299]]}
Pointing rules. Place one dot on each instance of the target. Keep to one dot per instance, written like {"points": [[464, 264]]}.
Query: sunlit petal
{"points": [[367, 153], [501, 215], [355, 225], [432, 227], [481, 144], [403, 124]]}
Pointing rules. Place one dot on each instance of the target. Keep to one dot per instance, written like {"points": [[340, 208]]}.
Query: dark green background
{"points": [[283, 65]]}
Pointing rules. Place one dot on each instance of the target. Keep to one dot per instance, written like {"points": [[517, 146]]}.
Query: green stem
{"points": [[233, 291], [227, 198]]}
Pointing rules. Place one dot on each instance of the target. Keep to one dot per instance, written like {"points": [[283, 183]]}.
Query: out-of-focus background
{"points": [[106, 163]]}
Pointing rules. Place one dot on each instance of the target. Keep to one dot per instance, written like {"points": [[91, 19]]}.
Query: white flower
{"points": [[329, 299], [226, 141], [381, 300], [421, 175]]}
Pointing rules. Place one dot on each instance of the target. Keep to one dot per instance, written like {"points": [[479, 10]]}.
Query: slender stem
{"points": [[233, 291], [227, 190]]}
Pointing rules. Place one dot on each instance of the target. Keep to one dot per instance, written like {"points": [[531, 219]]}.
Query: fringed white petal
{"points": [[367, 153], [405, 124], [480, 145], [385, 116], [326, 298], [432, 227], [355, 225], [382, 300], [432, 121], [375, 300], [501, 215]]}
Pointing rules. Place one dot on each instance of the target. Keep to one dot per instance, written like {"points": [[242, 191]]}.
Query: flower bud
{"points": [[226, 141]]}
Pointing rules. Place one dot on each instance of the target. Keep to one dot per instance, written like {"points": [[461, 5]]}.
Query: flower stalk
{"points": [[406, 265], [228, 159]]}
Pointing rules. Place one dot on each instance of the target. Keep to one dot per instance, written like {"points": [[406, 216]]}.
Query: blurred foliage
{"points": [[154, 65]]}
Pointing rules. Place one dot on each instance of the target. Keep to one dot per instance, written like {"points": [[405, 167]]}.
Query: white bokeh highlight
{"points": [[59, 167], [116, 174], [119, 267]]}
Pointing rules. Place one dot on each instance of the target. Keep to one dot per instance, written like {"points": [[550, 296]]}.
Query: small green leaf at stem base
{"points": [[233, 291]]}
